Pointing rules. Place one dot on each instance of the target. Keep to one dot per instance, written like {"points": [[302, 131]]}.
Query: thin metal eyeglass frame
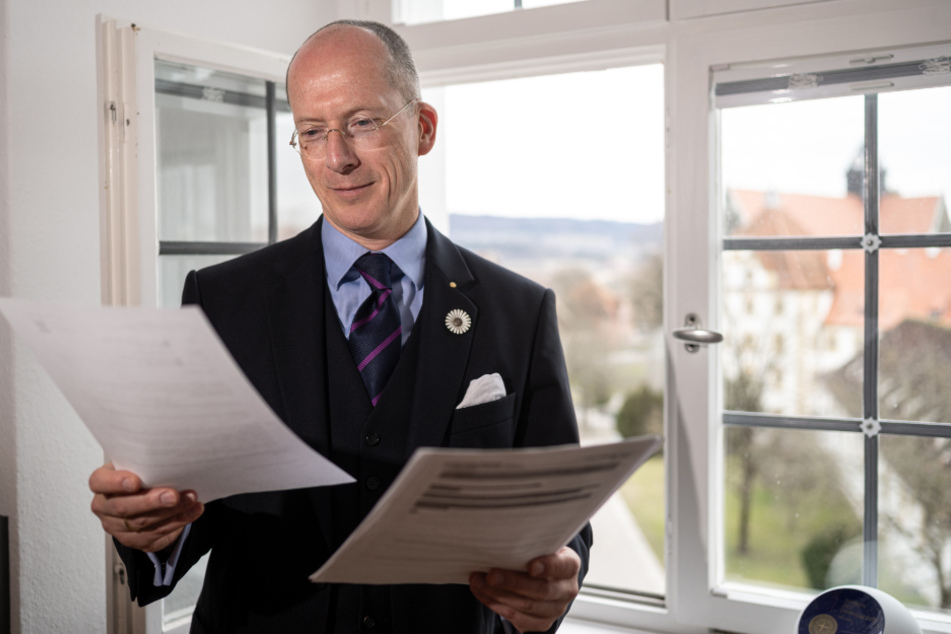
{"points": [[294, 135]]}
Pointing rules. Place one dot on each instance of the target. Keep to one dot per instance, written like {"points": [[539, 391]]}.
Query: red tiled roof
{"points": [[913, 283]]}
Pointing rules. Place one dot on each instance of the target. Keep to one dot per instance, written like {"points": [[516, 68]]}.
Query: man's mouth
{"points": [[351, 191]]}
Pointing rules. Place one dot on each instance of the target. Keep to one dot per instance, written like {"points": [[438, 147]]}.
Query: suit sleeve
{"points": [[548, 415], [139, 568]]}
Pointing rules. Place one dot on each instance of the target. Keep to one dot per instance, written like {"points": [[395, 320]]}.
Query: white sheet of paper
{"points": [[160, 393], [454, 511]]}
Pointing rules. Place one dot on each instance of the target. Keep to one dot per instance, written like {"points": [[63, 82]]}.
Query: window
{"points": [[512, 195], [227, 182], [837, 184], [420, 11]]}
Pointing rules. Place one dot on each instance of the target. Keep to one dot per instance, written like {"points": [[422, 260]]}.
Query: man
{"points": [[293, 316]]}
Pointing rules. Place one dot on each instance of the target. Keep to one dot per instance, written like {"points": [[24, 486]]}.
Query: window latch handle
{"points": [[695, 335]]}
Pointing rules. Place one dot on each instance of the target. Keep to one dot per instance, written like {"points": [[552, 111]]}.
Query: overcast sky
{"points": [[807, 146], [582, 145]]}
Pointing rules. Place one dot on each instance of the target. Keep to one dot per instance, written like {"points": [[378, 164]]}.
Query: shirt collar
{"points": [[408, 253]]}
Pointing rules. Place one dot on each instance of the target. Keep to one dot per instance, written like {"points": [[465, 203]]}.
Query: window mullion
{"points": [[870, 388], [271, 161]]}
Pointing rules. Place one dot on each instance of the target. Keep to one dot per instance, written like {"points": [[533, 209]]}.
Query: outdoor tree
{"points": [[913, 361]]}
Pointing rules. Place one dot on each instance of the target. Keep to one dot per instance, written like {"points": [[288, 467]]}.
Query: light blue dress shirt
{"points": [[348, 290]]}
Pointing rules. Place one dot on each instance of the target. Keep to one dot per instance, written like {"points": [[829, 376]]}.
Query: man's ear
{"points": [[428, 119]]}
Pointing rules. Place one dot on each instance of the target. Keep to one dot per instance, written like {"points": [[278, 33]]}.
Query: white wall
{"points": [[49, 248]]}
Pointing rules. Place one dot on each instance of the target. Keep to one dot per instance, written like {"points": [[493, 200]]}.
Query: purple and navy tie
{"points": [[376, 333]]}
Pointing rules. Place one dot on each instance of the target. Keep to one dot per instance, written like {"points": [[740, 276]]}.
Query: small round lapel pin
{"points": [[458, 321]]}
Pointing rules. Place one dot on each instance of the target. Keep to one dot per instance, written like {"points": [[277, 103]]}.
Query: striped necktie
{"points": [[376, 333]]}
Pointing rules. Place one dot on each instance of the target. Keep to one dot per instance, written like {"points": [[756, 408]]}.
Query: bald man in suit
{"points": [[286, 314]]}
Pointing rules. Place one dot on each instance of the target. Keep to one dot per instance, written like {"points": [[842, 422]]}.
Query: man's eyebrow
{"points": [[347, 115]]}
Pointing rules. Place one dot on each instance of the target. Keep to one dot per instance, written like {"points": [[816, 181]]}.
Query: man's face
{"points": [[368, 194]]}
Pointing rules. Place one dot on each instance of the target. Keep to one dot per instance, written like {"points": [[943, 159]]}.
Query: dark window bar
{"points": [[894, 427], [194, 91], [271, 162], [825, 78], [870, 383], [170, 247], [905, 241]]}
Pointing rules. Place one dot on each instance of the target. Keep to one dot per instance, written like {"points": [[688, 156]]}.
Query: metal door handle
{"points": [[694, 335]]}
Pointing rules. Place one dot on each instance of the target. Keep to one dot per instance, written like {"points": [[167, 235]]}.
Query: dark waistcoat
{"points": [[370, 443]]}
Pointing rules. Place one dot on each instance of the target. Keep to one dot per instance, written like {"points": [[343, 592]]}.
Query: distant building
{"points": [[800, 314]]}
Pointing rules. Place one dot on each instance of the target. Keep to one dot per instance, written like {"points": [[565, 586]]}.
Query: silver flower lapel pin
{"points": [[458, 321]]}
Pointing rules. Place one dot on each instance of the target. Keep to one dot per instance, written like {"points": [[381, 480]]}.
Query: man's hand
{"points": [[145, 519], [534, 600]]}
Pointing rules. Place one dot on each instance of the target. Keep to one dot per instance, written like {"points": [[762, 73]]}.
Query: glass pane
{"points": [[419, 11], [915, 344], [793, 169], [297, 205], [791, 322], [211, 148], [172, 270], [793, 507], [599, 248], [915, 520], [914, 137]]}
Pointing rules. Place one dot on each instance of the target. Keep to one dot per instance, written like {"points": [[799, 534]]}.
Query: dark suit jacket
{"points": [[269, 309]]}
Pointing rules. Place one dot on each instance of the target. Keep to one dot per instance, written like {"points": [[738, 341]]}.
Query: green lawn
{"points": [[644, 494], [777, 535]]}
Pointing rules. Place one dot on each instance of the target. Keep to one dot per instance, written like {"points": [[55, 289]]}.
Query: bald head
{"points": [[396, 60]]}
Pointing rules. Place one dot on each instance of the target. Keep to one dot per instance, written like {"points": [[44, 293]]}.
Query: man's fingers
{"points": [[107, 481], [151, 534], [144, 522], [159, 503], [564, 564], [525, 613]]}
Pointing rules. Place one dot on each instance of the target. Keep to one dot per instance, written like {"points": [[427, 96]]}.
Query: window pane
{"points": [[915, 344], [915, 134], [297, 204], [790, 320], [211, 146], [793, 507], [419, 11], [915, 520], [599, 248], [793, 169], [172, 270]]}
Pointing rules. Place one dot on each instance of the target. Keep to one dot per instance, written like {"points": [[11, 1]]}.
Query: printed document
{"points": [[454, 511], [160, 393]]}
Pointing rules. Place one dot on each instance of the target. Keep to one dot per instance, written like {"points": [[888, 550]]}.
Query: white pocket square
{"points": [[485, 389]]}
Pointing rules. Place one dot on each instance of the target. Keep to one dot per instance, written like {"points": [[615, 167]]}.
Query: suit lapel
{"points": [[295, 308], [443, 355]]}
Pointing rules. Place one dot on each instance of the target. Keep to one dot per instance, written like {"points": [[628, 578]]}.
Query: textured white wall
{"points": [[49, 248]]}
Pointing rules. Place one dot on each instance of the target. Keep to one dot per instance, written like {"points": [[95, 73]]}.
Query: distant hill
{"points": [[522, 238]]}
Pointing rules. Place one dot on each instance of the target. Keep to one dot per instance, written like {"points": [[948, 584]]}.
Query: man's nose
{"points": [[340, 156]]}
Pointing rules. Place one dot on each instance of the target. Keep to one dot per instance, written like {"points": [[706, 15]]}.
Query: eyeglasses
{"points": [[361, 131]]}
